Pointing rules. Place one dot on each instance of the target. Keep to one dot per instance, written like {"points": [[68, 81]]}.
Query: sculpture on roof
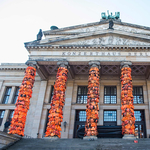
{"points": [[110, 16], [39, 35], [111, 24]]}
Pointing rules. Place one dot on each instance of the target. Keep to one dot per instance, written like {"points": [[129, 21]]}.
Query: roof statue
{"points": [[111, 24], [39, 35], [110, 16], [53, 27]]}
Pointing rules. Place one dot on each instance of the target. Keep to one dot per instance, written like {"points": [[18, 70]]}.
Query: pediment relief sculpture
{"points": [[110, 40]]}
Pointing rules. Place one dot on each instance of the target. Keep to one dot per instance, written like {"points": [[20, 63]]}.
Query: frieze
{"points": [[111, 40], [80, 53]]}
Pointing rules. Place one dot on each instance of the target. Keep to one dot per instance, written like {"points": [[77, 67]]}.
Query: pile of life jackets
{"points": [[128, 120], [58, 100], [23, 102], [92, 103]]}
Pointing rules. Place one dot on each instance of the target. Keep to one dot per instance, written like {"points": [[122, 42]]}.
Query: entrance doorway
{"points": [[80, 120], [140, 130]]}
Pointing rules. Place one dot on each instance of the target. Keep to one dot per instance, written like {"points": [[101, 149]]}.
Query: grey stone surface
{"points": [[129, 136], [8, 139], [51, 138], [79, 144], [90, 138]]}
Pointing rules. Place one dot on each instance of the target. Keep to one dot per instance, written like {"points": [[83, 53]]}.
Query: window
{"points": [[47, 119], [138, 95], [2, 112], [52, 93], [11, 115], [6, 96], [139, 115], [110, 94], [16, 95], [80, 115], [82, 94], [110, 115], [79, 121]]}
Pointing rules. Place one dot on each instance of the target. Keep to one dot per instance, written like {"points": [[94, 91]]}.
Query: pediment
{"points": [[102, 38], [123, 34], [110, 40]]}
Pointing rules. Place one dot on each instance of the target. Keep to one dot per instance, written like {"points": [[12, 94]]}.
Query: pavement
{"points": [[80, 144]]}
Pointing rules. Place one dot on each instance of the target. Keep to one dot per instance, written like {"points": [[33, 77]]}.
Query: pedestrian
{"points": [[6, 125]]}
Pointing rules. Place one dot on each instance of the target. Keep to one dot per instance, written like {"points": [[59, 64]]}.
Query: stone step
{"points": [[79, 144], [7, 139]]}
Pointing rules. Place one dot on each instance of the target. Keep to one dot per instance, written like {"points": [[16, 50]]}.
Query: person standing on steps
{"points": [[6, 125]]}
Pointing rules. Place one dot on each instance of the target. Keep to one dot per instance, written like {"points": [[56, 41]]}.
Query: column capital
{"points": [[125, 64], [62, 64], [94, 64], [31, 63]]}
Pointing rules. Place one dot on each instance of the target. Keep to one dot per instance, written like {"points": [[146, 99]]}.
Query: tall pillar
{"points": [[39, 108], [22, 105], [56, 111], [128, 120], [92, 101]]}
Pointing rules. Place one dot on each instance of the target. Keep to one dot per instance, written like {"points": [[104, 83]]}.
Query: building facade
{"points": [[79, 45]]}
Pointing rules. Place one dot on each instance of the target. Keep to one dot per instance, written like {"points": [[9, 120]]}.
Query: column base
{"points": [[51, 138], [90, 138], [129, 136]]}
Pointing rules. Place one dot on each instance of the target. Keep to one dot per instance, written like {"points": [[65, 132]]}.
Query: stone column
{"points": [[56, 111], [22, 105], [92, 102], [148, 111], [67, 110], [39, 108], [128, 120], [1, 84]]}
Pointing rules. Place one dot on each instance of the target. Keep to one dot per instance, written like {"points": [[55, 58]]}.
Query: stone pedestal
{"points": [[129, 137], [90, 138], [51, 138]]}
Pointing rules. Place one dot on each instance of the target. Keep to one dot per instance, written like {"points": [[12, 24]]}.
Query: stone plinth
{"points": [[90, 138], [129, 136]]}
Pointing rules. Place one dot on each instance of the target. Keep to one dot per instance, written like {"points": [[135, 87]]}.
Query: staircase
{"points": [[7, 139], [79, 144], [103, 132]]}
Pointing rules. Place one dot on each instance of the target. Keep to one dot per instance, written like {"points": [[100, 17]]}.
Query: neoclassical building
{"points": [[111, 45]]}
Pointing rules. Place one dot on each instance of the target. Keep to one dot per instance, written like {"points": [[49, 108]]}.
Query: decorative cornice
{"points": [[94, 24], [9, 68], [110, 47]]}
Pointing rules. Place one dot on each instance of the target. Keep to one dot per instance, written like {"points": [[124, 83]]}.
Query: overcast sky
{"points": [[20, 20]]}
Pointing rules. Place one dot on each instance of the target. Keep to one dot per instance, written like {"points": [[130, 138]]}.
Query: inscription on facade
{"points": [[81, 53]]}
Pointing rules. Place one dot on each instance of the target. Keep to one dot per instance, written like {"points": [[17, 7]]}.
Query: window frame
{"points": [[142, 111], [6, 95], [138, 95], [110, 94], [51, 93], [77, 119], [11, 112], [15, 95], [83, 86], [107, 122], [1, 119]]}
